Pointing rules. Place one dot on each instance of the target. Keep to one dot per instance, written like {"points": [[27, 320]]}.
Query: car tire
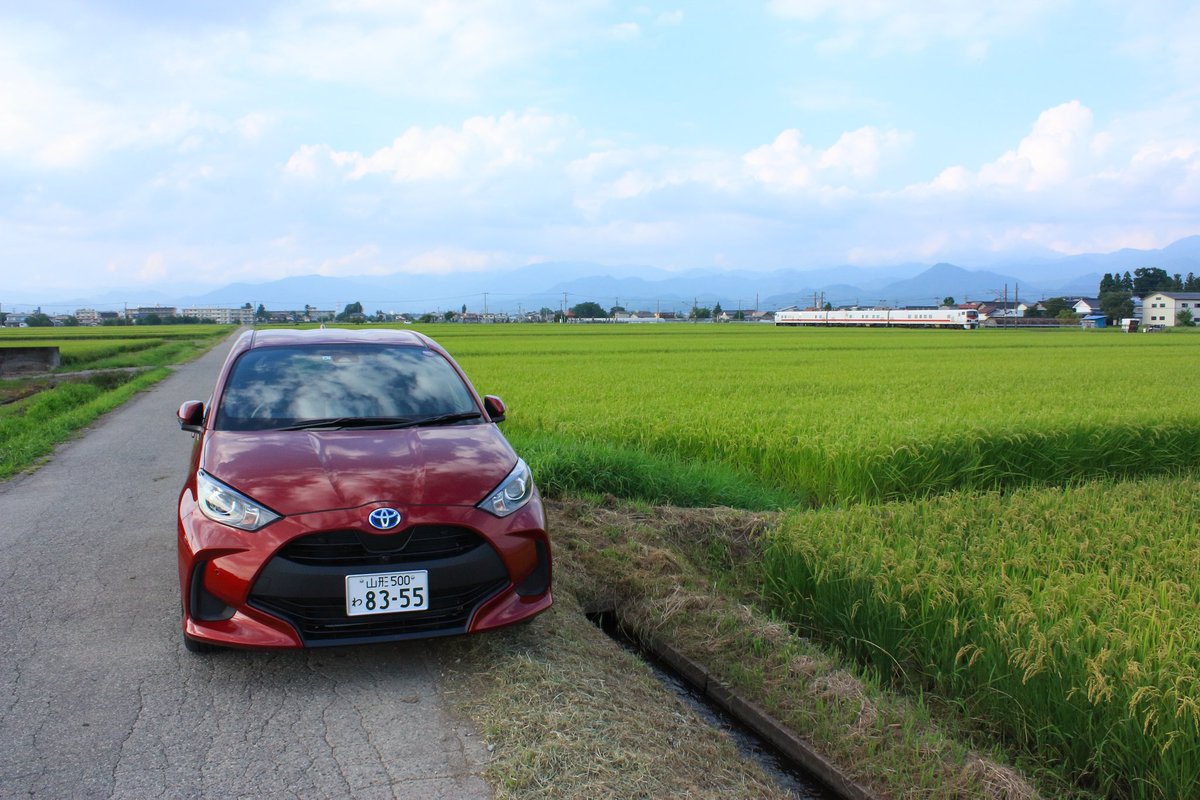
{"points": [[196, 646]]}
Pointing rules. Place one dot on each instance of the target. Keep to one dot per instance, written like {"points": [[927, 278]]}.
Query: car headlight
{"points": [[222, 504], [512, 493]]}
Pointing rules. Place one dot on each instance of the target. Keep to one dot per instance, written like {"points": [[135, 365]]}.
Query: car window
{"points": [[272, 387]]}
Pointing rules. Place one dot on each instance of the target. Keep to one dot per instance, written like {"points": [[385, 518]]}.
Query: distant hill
{"points": [[644, 287]]}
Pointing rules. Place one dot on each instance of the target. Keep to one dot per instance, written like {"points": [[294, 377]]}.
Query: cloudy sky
{"points": [[186, 145]]}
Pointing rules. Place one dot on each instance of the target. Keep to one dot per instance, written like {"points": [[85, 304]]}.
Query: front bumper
{"points": [[284, 585]]}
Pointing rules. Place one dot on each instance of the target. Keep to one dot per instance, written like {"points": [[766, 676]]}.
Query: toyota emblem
{"points": [[384, 518]]}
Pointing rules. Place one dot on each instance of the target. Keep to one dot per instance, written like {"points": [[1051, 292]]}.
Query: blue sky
{"points": [[187, 145]]}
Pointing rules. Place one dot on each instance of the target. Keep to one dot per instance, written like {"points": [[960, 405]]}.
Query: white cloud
{"points": [[447, 260], [670, 18], [436, 49], [617, 175], [914, 25], [363, 260], [625, 31], [1060, 139], [53, 120], [482, 146], [788, 163]]}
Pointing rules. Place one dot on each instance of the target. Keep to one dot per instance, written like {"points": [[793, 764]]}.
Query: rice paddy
{"points": [[1007, 519], [1064, 617], [827, 417]]}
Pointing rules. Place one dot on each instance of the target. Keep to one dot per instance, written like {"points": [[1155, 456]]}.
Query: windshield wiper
{"points": [[378, 423], [446, 419], [339, 423]]}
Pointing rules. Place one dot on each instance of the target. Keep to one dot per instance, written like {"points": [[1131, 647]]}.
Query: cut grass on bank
{"points": [[570, 714], [643, 561]]}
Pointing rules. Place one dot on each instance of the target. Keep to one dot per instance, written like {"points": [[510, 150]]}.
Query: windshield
{"points": [[279, 387]]}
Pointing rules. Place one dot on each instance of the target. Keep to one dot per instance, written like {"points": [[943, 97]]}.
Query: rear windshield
{"points": [[274, 387]]}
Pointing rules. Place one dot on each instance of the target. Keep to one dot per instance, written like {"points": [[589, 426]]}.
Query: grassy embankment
{"points": [[43, 412]]}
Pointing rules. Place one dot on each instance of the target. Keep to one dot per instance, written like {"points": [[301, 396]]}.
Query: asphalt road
{"points": [[98, 698]]}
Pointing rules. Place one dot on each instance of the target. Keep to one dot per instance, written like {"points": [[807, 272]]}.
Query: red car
{"points": [[350, 486]]}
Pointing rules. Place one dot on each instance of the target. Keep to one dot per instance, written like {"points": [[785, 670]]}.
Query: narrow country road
{"points": [[98, 698]]}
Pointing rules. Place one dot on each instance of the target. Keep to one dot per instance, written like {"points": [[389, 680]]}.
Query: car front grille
{"points": [[305, 582], [419, 543]]}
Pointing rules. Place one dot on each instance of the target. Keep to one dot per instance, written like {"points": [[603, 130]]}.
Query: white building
{"points": [[1162, 308], [222, 316], [87, 316]]}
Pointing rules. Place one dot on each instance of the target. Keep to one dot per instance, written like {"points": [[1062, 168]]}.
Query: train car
{"points": [[964, 318]]}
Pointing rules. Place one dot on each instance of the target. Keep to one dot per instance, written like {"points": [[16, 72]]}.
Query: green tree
{"points": [[1053, 307], [1116, 304], [947, 301], [1109, 284], [261, 313], [39, 320], [352, 313], [612, 312], [1066, 315], [700, 312], [716, 312], [1185, 318], [71, 322], [1127, 282], [588, 310], [150, 319], [1147, 280]]}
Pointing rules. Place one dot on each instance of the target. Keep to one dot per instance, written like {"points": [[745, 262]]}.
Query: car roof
{"points": [[276, 337]]}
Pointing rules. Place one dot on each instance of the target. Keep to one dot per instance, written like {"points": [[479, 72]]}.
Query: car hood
{"points": [[294, 472]]}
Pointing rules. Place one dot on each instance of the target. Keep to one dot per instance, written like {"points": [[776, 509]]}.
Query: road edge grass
{"points": [[23, 446], [31, 427], [671, 576]]}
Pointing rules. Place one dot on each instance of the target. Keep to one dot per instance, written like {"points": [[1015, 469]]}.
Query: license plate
{"points": [[387, 593]]}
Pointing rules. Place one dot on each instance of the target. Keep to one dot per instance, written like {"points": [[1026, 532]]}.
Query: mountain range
{"points": [[564, 284]]}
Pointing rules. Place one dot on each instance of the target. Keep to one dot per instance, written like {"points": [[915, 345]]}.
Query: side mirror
{"points": [[494, 407], [191, 416]]}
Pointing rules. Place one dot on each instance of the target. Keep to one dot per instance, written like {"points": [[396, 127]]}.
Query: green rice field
{"points": [[117, 347], [1006, 519], [1066, 618], [100, 369], [818, 417]]}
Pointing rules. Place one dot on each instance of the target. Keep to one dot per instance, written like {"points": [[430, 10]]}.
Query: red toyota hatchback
{"points": [[350, 486]]}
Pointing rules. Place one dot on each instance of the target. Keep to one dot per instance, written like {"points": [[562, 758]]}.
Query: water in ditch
{"points": [[792, 779]]}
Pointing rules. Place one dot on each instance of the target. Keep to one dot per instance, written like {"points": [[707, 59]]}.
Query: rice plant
{"points": [[1066, 618]]}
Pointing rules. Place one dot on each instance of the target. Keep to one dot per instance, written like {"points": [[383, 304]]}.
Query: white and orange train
{"points": [[965, 318]]}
